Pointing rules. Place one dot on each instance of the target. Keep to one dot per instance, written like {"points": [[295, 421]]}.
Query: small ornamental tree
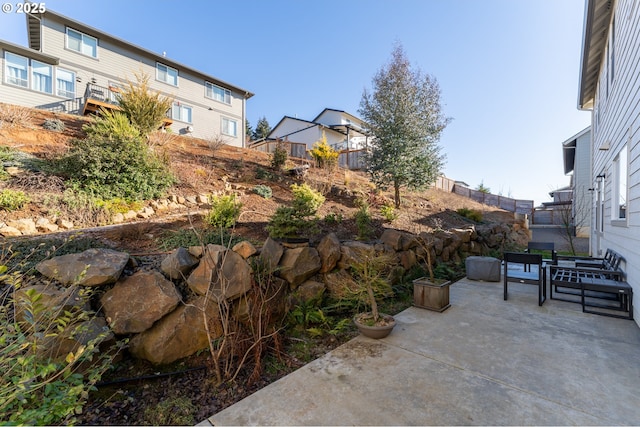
{"points": [[324, 155], [145, 108], [403, 113]]}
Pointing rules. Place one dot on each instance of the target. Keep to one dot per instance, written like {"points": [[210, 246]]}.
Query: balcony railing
{"points": [[99, 97]]}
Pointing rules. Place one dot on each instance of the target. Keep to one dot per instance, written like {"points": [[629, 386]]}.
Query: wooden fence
{"points": [[294, 149], [506, 203]]}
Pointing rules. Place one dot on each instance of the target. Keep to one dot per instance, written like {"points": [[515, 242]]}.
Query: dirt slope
{"points": [[201, 170]]}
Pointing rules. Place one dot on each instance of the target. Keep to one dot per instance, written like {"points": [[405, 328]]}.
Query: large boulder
{"points": [[341, 285], [179, 334], [227, 272], [354, 253], [271, 253], [298, 265], [329, 251], [135, 303], [245, 249], [178, 264], [93, 267]]}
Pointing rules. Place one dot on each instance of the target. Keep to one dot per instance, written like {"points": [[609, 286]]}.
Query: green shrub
{"points": [[333, 218], [263, 190], [55, 125], [111, 125], [472, 214], [279, 156], [190, 237], [39, 386], [324, 155], [225, 211], [115, 163], [118, 205], [289, 221], [306, 200], [145, 108], [389, 212], [11, 200], [363, 222]]}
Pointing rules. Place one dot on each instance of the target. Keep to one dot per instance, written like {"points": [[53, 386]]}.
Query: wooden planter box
{"points": [[432, 296]]}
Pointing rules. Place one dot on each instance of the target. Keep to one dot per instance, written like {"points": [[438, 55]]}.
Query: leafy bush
{"points": [[117, 205], [363, 222], [39, 386], [113, 161], [11, 200], [389, 212], [324, 155], [263, 190], [225, 211], [55, 125], [145, 108], [333, 218], [279, 156], [472, 214], [190, 237], [111, 125], [288, 221]]}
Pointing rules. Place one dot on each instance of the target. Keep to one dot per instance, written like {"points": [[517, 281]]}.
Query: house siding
{"points": [[582, 184], [118, 62], [616, 122]]}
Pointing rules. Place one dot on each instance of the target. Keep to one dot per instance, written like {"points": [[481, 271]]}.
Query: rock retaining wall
{"points": [[166, 324]]}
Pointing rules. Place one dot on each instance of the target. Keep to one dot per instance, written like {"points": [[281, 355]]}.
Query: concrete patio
{"points": [[484, 361]]}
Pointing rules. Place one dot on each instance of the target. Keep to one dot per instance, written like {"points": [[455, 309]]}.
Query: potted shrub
{"points": [[368, 274], [429, 292]]}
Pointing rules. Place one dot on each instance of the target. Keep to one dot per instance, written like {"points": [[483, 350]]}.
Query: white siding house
{"points": [[576, 153], [610, 89], [342, 130], [73, 68]]}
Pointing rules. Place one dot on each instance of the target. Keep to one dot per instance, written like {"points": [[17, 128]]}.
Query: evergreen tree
{"points": [[404, 114], [249, 130], [262, 129]]}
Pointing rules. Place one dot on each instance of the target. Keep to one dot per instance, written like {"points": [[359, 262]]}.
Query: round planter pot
{"points": [[375, 332]]}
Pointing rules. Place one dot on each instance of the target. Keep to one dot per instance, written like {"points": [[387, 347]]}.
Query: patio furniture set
{"points": [[598, 284]]}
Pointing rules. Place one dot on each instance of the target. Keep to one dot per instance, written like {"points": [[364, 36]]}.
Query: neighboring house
{"points": [[610, 89], [343, 131], [576, 153], [73, 68]]}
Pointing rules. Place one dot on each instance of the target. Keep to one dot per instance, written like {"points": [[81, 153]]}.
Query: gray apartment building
{"points": [[72, 68]]}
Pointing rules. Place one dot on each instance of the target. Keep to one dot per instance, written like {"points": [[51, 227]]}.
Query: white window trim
{"points": [[222, 119], [73, 77], [33, 79], [616, 220], [168, 68], [181, 106], [66, 42], [208, 85], [6, 71]]}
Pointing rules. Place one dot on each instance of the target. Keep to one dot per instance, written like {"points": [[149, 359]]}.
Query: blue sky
{"points": [[508, 69]]}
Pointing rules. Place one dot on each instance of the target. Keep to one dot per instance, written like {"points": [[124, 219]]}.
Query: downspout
{"points": [[244, 120]]}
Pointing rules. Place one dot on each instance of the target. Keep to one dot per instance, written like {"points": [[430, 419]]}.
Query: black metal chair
{"points": [[544, 246], [525, 275]]}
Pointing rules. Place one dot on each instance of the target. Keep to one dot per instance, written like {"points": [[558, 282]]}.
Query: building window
{"points": [[216, 92], [16, 69], [65, 83], [181, 112], [619, 199], [41, 79], [229, 127], [167, 74], [82, 43]]}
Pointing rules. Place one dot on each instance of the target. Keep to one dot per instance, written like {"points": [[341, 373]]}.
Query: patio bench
{"points": [[603, 284]]}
